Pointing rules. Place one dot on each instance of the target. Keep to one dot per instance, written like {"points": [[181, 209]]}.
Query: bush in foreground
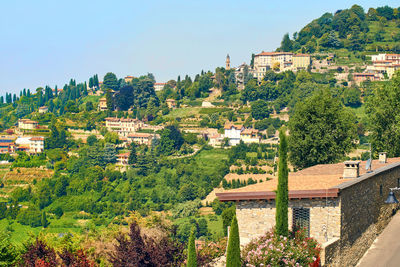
{"points": [[273, 250]]}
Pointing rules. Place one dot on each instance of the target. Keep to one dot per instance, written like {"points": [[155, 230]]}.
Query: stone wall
{"points": [[364, 213], [257, 217]]}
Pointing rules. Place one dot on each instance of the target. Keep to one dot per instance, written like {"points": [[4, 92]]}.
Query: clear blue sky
{"points": [[49, 42]]}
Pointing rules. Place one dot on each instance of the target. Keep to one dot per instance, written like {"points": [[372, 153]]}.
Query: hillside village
{"points": [[182, 159]]}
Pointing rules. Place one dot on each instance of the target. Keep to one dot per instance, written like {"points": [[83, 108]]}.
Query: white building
{"points": [[159, 86], [27, 124], [43, 109], [140, 138], [232, 132], [249, 136], [123, 126], [31, 145]]}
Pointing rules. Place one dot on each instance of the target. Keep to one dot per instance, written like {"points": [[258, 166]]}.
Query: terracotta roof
{"points": [[160, 83], [37, 138], [316, 178], [230, 125], [123, 155], [273, 53], [44, 107], [27, 121], [170, 100], [6, 144], [112, 119]]}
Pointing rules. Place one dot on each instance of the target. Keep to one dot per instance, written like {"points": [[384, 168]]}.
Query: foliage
{"points": [[30, 216], [171, 140], [192, 256], [132, 154], [282, 194], [260, 110], [233, 251], [227, 216], [39, 254], [321, 131], [8, 252], [142, 250], [186, 209], [274, 250], [383, 108], [210, 251]]}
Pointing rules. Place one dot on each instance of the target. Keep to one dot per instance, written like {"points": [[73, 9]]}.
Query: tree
{"points": [[44, 221], [383, 109], [282, 195], [110, 155], [286, 44], [192, 257], [141, 250], [352, 97], [109, 100], [110, 81], [321, 130], [132, 155], [227, 216], [39, 254], [233, 251], [171, 140], [91, 140], [260, 109], [8, 253]]}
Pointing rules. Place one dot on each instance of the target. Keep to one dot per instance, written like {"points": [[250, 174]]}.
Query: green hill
{"points": [[352, 29]]}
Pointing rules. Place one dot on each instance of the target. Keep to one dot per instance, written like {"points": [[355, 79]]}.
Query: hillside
{"points": [[352, 29]]}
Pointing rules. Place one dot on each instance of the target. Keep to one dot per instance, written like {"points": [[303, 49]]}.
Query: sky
{"points": [[50, 42]]}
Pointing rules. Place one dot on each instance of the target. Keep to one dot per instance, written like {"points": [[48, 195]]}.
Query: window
{"points": [[398, 182], [301, 219], [381, 190]]}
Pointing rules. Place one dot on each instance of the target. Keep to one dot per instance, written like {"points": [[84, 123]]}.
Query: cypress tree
{"points": [[282, 195], [233, 254], [192, 257], [44, 221], [132, 156]]}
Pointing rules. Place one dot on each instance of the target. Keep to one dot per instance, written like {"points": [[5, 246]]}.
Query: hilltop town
{"points": [[82, 163]]}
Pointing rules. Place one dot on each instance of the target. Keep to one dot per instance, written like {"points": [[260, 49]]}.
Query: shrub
{"points": [[273, 250]]}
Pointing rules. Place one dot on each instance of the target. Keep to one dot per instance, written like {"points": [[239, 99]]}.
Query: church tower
{"points": [[228, 62]]}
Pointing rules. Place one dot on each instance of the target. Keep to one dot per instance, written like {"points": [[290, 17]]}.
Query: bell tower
{"points": [[228, 62]]}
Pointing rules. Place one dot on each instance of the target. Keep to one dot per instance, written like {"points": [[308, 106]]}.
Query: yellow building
{"points": [[301, 61], [103, 104]]}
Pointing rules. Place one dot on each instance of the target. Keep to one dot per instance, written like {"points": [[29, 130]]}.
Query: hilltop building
{"points": [[103, 104], [140, 138], [228, 62], [43, 110], [32, 145], [128, 79], [340, 205], [123, 126], [159, 86], [384, 63], [237, 133], [27, 124], [171, 103], [279, 61]]}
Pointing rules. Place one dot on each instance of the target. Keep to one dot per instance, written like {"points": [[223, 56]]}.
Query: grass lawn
{"points": [[183, 112], [211, 157]]}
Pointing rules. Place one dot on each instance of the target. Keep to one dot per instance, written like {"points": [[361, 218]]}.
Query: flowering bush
{"points": [[210, 251], [272, 250]]}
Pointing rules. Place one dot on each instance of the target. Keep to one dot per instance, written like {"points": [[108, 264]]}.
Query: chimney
{"points": [[351, 169], [382, 157]]}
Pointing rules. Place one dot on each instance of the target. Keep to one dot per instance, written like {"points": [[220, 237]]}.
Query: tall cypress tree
{"points": [[233, 254], [192, 257], [132, 156], [282, 194], [44, 221]]}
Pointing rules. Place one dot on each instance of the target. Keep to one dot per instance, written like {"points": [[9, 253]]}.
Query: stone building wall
{"points": [[257, 217], [364, 213]]}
